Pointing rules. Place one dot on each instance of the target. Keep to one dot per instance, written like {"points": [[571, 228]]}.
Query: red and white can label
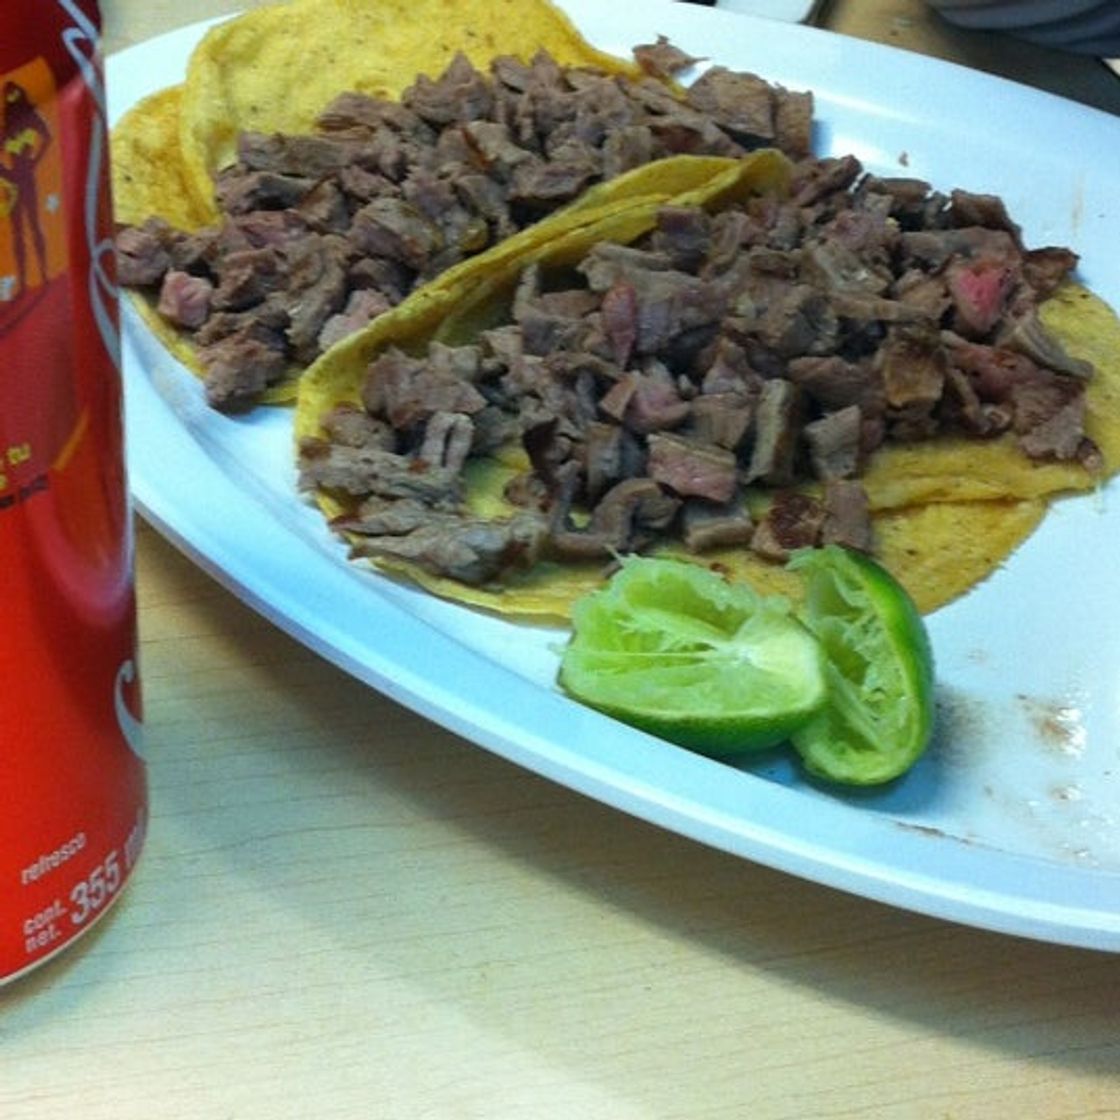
{"points": [[73, 790]]}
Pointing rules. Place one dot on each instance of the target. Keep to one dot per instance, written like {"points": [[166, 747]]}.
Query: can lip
{"points": [[74, 939]]}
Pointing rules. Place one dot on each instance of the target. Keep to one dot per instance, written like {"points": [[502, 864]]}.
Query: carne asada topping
{"points": [[471, 550], [668, 389], [793, 521], [662, 59], [326, 231]]}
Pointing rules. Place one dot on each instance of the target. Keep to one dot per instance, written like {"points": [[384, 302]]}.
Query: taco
{"points": [[273, 70], [730, 375], [301, 182]]}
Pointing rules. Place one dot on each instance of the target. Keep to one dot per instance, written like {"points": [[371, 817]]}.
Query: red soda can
{"points": [[73, 790]]}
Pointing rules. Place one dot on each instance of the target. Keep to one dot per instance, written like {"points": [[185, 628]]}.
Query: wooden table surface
{"points": [[347, 912]]}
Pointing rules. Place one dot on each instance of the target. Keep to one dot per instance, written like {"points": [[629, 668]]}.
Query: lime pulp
{"points": [[673, 648], [879, 664]]}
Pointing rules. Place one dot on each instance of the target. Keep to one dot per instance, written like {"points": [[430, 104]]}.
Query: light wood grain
{"points": [[344, 912], [347, 913]]}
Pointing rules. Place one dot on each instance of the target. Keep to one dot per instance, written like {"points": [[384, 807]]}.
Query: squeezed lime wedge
{"points": [[673, 648], [880, 712]]}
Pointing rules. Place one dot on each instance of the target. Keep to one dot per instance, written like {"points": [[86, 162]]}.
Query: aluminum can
{"points": [[73, 790]]}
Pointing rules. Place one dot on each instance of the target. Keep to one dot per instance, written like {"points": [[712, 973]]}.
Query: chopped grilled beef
{"points": [[929, 294], [911, 363], [623, 520], [241, 192], [772, 346], [460, 93], [794, 520], [464, 159], [240, 366], [360, 114], [654, 383], [793, 122], [832, 382], [308, 156], [979, 289], [818, 179], [185, 299], [662, 59], [352, 426], [1062, 436], [847, 516], [383, 517], [777, 428], [800, 321], [987, 210], [409, 390], [645, 402], [365, 470], [1027, 335], [684, 235], [1045, 408], [143, 253], [620, 320], [1045, 270], [835, 443], [392, 228], [268, 319], [246, 276], [692, 469], [610, 454], [753, 111], [742, 104], [471, 550], [317, 290], [722, 419], [362, 306], [933, 248], [324, 208], [705, 526], [448, 439]]}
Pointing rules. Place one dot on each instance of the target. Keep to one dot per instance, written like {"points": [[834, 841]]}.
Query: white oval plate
{"points": [[1011, 821]]}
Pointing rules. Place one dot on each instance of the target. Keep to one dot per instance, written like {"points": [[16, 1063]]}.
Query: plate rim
{"points": [[981, 887]]}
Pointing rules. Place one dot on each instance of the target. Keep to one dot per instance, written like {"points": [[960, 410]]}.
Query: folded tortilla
{"points": [[947, 512]]}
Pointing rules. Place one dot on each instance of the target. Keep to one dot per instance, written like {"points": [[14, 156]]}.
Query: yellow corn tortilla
{"points": [[149, 174], [953, 513]]}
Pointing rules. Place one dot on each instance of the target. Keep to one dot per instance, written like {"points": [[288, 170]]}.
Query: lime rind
{"points": [[673, 648], [879, 717]]}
